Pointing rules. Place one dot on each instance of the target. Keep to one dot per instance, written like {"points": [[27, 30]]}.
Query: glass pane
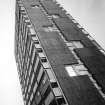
{"points": [[51, 75], [32, 31], [84, 31], [30, 48], [30, 69], [57, 92], [79, 67], [33, 55], [46, 65], [49, 98], [40, 74], [90, 37], [36, 64], [102, 51], [69, 44], [35, 87], [32, 78], [78, 44], [38, 46], [79, 26], [31, 97], [70, 71], [55, 16], [41, 55], [79, 72], [34, 38]]}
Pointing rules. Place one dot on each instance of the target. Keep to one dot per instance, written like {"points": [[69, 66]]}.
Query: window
{"points": [[74, 21], [33, 55], [102, 51], [39, 50], [36, 64], [26, 73], [74, 44], [49, 28], [45, 78], [43, 84], [78, 44], [24, 28], [84, 31], [30, 48], [41, 55], [90, 37], [71, 48], [69, 44], [31, 97], [43, 59], [49, 98], [29, 102], [29, 72], [35, 87], [29, 89], [40, 74], [26, 35], [53, 102], [54, 84], [38, 97], [32, 31], [22, 8], [28, 23], [55, 16], [38, 69], [81, 72], [27, 96], [51, 75], [79, 26], [28, 43], [79, 67], [38, 46], [57, 92], [36, 42], [46, 65], [22, 25], [27, 80], [34, 38], [61, 101], [70, 71], [34, 6], [28, 62], [32, 77]]}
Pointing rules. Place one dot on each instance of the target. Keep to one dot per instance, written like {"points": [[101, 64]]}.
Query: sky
{"points": [[89, 13], [10, 92]]}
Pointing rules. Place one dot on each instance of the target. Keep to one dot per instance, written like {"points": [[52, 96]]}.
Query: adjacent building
{"points": [[58, 62]]}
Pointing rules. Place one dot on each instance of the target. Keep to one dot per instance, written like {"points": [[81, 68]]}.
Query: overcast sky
{"points": [[10, 93], [89, 13]]}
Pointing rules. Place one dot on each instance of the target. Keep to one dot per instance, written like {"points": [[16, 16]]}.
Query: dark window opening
{"points": [[54, 84], [47, 92], [61, 101], [43, 59], [53, 103], [34, 6], [39, 50]]}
